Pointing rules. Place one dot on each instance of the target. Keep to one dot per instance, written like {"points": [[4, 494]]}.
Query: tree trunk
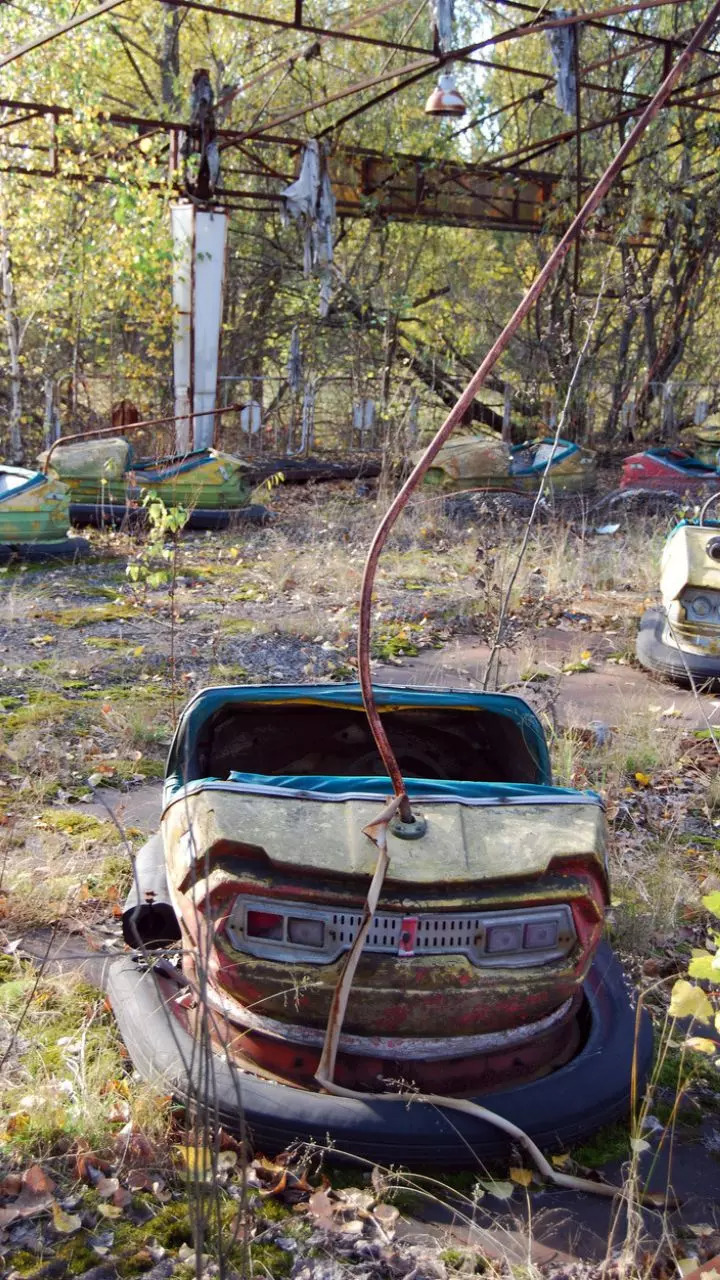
{"points": [[12, 333], [170, 55]]}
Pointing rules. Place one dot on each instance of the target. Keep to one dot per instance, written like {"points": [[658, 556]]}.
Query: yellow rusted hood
{"points": [[470, 458], [465, 842]]}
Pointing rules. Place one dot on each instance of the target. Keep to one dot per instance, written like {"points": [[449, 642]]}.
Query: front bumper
{"points": [[591, 1089], [684, 666]]}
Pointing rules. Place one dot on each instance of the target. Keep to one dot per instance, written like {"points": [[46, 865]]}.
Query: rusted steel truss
{"points": [[397, 186], [399, 78]]}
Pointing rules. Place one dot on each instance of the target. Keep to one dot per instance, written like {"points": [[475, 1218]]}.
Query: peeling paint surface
{"points": [[462, 844]]}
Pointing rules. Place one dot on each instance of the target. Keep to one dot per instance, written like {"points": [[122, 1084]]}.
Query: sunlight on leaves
{"points": [[688, 1001]]}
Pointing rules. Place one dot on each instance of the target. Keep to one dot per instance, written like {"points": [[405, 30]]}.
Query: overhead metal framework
{"points": [[505, 191]]}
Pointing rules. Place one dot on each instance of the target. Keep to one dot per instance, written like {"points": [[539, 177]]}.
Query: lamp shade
{"points": [[445, 99]]}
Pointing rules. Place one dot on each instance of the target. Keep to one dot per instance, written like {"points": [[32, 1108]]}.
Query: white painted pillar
{"points": [[181, 221], [199, 239]]}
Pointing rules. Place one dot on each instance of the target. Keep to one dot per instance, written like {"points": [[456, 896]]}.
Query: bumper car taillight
{"points": [[277, 930]]}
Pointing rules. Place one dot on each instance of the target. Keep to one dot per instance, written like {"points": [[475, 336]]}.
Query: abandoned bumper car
{"points": [[670, 470], [106, 481], [34, 518], [682, 639], [484, 461], [483, 976]]}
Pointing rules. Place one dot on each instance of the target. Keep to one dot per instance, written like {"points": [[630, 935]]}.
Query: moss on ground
{"points": [[88, 615], [237, 626], [41, 708], [227, 673], [271, 1259], [130, 770], [71, 823], [609, 1144], [113, 879], [77, 1253], [395, 642]]}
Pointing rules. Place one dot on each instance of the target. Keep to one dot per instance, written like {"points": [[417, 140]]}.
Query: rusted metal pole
{"points": [[578, 189], [290, 24], [553, 263]]}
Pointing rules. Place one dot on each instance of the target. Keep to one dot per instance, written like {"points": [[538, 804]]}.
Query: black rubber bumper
{"points": [[665, 660], [115, 515], [591, 1090], [30, 552], [148, 918]]}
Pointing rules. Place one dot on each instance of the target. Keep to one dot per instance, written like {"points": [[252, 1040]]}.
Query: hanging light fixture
{"points": [[445, 99]]}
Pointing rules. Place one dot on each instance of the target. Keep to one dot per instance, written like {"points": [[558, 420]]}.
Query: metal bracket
{"points": [[414, 830]]}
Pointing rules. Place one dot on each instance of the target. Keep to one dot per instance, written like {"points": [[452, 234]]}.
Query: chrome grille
{"points": [[435, 934], [473, 934]]}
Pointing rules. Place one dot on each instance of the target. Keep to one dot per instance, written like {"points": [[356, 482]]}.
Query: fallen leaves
{"points": [[277, 1179], [110, 1210], [65, 1223], [34, 1195], [37, 1179], [500, 1190], [89, 1167], [639, 1145], [204, 1164], [351, 1212], [700, 1044]]}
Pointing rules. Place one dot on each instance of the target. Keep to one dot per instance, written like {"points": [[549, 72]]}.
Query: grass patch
{"points": [[112, 643], [402, 640], [247, 592], [129, 770], [41, 708], [114, 878], [270, 1260], [67, 1051], [237, 626], [66, 1067], [227, 673]]}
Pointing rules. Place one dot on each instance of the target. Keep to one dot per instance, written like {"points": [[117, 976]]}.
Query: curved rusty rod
{"points": [[122, 428], [551, 266]]}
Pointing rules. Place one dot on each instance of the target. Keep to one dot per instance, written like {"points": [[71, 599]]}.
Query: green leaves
{"points": [[153, 567]]}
